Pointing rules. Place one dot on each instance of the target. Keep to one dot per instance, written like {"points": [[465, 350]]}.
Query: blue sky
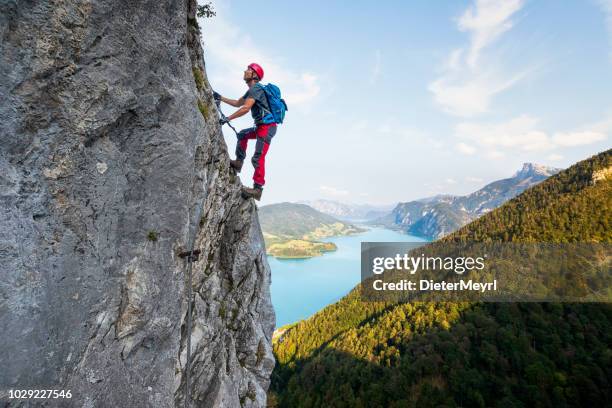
{"points": [[393, 101]]}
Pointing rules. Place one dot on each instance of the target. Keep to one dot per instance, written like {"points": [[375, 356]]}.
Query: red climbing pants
{"points": [[264, 135]]}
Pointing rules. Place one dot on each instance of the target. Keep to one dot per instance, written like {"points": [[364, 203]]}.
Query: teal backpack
{"points": [[277, 105]]}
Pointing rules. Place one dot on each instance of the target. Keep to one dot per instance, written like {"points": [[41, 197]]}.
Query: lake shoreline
{"points": [[311, 247], [303, 286]]}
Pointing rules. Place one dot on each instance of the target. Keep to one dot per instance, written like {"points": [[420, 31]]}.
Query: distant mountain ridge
{"points": [[346, 211], [440, 215]]}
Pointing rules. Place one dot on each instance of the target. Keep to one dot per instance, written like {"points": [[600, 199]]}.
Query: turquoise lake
{"points": [[301, 287]]}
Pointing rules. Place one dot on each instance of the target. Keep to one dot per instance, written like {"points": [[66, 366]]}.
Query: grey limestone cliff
{"points": [[111, 164]]}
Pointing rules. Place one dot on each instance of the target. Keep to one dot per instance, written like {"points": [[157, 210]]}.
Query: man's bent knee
{"points": [[244, 133]]}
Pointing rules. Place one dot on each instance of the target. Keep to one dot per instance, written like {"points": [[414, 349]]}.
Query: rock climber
{"points": [[254, 100]]}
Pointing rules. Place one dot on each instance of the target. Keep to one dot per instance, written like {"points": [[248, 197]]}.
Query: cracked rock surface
{"points": [[111, 165]]}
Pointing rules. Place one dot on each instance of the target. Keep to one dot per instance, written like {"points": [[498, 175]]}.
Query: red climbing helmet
{"points": [[258, 69]]}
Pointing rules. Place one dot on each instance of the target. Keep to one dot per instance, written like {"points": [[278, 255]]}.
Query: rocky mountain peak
{"points": [[534, 169]]}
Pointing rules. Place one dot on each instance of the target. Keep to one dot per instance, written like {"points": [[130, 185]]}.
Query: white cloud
{"points": [[486, 21], [454, 61], [519, 133], [309, 89], [554, 157], [333, 191], [523, 133], [465, 148], [450, 181], [467, 86], [569, 139], [228, 50], [470, 95]]}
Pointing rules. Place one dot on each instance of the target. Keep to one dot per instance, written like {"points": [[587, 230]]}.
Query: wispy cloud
{"points": [[520, 132], [523, 133], [606, 6], [470, 95], [333, 191], [376, 68], [229, 50], [486, 20], [474, 179], [465, 148], [554, 157], [466, 85], [578, 138]]}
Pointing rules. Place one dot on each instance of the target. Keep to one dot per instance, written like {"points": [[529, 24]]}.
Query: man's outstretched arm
{"points": [[246, 106], [233, 102]]}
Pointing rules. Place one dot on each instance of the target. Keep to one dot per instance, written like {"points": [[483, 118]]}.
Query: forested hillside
{"points": [[295, 230], [299, 221], [376, 354]]}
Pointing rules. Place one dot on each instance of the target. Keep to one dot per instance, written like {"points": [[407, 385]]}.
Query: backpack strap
{"points": [[265, 106]]}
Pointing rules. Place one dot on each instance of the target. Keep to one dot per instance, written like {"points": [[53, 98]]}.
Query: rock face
{"points": [[111, 164]]}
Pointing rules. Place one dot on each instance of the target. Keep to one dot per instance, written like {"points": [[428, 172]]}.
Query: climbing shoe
{"points": [[254, 192], [236, 165]]}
